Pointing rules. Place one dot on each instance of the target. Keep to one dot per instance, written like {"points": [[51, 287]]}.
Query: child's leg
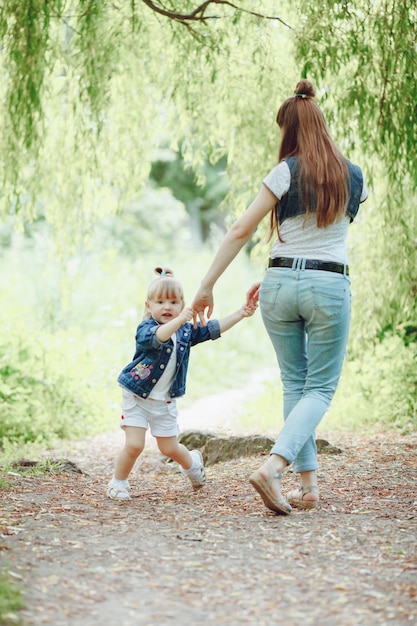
{"points": [[191, 463], [170, 447], [134, 444]]}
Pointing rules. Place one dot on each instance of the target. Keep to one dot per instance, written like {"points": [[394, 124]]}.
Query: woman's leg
{"points": [[286, 329], [325, 304], [294, 305], [306, 456], [316, 304], [134, 444], [293, 349]]}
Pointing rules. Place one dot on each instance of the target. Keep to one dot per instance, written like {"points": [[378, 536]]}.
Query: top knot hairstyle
{"points": [[304, 89], [299, 113], [164, 287], [164, 271], [323, 174]]}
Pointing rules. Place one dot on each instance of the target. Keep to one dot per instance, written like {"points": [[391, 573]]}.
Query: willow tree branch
{"points": [[199, 14]]}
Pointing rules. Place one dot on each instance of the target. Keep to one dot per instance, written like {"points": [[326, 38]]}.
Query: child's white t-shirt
{"points": [[162, 387]]}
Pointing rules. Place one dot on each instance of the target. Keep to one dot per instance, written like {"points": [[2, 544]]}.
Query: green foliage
{"points": [[95, 51], [370, 47], [40, 400], [384, 272], [377, 391], [111, 80], [10, 600], [151, 224], [201, 202], [24, 33]]}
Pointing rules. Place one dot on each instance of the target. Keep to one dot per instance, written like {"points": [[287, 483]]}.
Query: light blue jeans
{"points": [[306, 314]]}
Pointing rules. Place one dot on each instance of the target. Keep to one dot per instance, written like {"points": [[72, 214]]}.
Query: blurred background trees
{"points": [[132, 133]]}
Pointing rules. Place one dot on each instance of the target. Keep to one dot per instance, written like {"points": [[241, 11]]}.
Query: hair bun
{"points": [[305, 88], [163, 271]]}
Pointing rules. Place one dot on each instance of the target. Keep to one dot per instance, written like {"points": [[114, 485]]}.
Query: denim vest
{"points": [[152, 355], [292, 205]]}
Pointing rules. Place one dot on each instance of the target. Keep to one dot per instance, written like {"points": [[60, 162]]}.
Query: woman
{"points": [[312, 195]]}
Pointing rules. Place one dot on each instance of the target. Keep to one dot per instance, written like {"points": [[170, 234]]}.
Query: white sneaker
{"points": [[118, 489], [196, 473]]}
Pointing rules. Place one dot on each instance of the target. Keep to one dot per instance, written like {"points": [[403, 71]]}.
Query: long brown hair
{"points": [[323, 174]]}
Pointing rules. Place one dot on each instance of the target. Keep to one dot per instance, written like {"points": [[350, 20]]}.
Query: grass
{"points": [[10, 600], [5, 484]]}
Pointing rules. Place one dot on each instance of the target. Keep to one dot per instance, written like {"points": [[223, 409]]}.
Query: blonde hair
{"points": [[323, 177], [164, 287]]}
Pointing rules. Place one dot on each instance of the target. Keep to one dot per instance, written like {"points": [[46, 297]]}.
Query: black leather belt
{"points": [[310, 264]]}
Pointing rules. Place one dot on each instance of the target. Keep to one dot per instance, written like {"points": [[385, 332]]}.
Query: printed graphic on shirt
{"points": [[141, 370]]}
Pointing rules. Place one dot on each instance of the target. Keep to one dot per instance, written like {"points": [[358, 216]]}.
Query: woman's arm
{"points": [[237, 236]]}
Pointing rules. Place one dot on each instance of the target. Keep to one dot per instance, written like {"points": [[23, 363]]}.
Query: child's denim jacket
{"points": [[151, 356]]}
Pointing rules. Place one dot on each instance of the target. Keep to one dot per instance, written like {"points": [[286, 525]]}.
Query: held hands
{"points": [[250, 306], [203, 300]]}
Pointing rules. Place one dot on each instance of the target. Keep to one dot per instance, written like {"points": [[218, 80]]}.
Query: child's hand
{"points": [[186, 314], [251, 304], [253, 293], [249, 308]]}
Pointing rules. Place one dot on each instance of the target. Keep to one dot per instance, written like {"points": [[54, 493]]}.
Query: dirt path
{"points": [[217, 556]]}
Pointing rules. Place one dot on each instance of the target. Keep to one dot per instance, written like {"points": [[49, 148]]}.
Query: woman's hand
{"points": [[203, 300]]}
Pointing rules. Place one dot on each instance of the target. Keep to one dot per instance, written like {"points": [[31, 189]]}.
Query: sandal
{"points": [[296, 497], [263, 487]]}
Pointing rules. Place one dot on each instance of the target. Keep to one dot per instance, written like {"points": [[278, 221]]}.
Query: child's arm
{"points": [[246, 310], [164, 331]]}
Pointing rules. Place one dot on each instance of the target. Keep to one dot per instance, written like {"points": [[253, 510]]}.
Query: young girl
{"points": [[157, 375]]}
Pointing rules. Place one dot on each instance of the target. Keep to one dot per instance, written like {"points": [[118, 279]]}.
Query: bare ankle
{"points": [[277, 463]]}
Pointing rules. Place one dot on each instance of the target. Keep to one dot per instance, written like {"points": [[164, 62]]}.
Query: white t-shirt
{"points": [[162, 387], [301, 236]]}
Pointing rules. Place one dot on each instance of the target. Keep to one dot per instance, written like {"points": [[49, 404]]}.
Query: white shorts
{"points": [[159, 415]]}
